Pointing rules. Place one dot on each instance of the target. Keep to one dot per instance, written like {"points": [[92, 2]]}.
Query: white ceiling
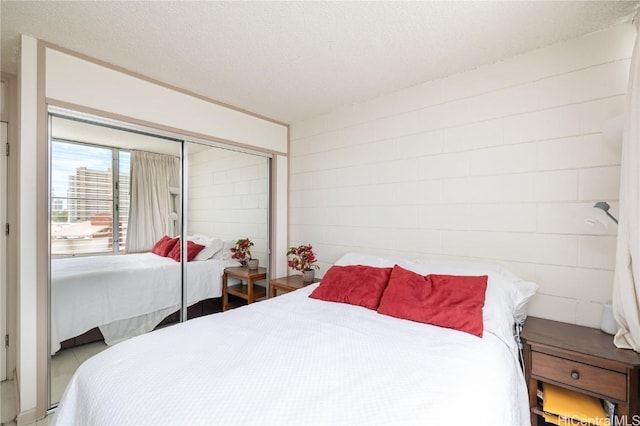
{"points": [[297, 59]]}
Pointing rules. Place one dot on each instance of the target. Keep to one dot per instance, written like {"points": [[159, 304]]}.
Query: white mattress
{"points": [[293, 360], [125, 295]]}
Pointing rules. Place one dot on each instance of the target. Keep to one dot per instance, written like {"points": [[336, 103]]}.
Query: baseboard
{"points": [[27, 417], [16, 392]]}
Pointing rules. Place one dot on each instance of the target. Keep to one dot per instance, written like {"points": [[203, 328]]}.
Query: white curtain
{"points": [[626, 285], [152, 176]]}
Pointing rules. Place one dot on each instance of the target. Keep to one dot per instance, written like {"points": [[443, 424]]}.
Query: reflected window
{"points": [[89, 194]]}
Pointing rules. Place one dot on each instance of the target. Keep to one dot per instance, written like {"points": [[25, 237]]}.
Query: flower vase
{"points": [[308, 275], [253, 263]]}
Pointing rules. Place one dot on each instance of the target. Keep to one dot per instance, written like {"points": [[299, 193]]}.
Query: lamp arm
{"points": [[611, 216]]}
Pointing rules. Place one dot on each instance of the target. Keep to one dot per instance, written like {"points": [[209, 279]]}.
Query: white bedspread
{"points": [[293, 360], [125, 295]]}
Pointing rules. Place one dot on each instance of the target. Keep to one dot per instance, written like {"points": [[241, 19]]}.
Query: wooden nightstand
{"points": [[287, 284], [582, 359], [249, 291]]}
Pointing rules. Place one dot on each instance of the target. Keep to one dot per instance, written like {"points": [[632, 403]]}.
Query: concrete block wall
{"points": [[501, 163]]}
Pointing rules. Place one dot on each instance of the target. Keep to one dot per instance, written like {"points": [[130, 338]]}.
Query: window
{"points": [[89, 193]]}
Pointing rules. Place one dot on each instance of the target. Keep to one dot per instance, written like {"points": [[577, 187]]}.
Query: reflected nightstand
{"points": [[246, 290]]}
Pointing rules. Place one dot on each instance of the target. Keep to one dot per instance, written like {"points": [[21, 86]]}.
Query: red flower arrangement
{"points": [[304, 258], [242, 249]]}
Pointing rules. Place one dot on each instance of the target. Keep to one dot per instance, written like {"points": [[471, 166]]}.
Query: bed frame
{"points": [[203, 307]]}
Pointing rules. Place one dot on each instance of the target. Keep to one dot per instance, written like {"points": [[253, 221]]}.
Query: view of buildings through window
{"points": [[89, 193]]}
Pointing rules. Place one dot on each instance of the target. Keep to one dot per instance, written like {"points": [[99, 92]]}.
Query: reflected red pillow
{"points": [[353, 284], [192, 251], [164, 246], [449, 301]]}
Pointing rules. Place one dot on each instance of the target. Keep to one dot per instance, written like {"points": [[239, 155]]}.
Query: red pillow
{"points": [[192, 251], [444, 300], [354, 284], [164, 245]]}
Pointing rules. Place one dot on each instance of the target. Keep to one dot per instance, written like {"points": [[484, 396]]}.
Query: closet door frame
{"points": [[4, 132]]}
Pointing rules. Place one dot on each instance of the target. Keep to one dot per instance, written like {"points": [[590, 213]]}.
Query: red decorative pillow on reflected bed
{"points": [[164, 246], [192, 251], [353, 284], [449, 301]]}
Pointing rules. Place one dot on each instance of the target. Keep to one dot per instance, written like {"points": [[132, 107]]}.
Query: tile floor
{"points": [[7, 403], [8, 407], [63, 365], [65, 362]]}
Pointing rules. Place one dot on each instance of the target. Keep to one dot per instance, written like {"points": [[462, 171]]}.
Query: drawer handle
{"points": [[575, 375]]}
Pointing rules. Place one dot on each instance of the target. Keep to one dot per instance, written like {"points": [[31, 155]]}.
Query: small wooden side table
{"points": [[287, 284], [248, 291]]}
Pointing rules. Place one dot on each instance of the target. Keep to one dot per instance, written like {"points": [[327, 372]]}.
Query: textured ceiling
{"points": [[294, 60]]}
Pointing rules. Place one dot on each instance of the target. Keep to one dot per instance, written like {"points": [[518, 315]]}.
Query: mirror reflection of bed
{"points": [[111, 283]]}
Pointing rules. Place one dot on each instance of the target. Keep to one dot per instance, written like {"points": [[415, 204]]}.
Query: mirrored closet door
{"points": [[114, 194], [117, 202], [228, 198]]}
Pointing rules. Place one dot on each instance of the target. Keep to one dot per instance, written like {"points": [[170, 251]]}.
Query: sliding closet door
{"points": [[227, 199], [121, 199], [115, 223]]}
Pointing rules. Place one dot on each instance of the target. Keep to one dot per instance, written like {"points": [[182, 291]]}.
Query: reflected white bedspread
{"points": [[93, 291], [293, 360]]}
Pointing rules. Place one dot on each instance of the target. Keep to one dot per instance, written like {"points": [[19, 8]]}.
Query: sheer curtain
{"points": [[151, 204], [626, 284]]}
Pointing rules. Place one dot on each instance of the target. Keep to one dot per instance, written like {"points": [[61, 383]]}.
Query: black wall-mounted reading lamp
{"points": [[604, 206]]}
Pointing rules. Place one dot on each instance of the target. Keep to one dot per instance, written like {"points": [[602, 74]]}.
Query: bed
{"points": [[124, 295], [299, 360]]}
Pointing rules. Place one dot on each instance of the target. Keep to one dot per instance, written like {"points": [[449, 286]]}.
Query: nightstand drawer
{"points": [[579, 375]]}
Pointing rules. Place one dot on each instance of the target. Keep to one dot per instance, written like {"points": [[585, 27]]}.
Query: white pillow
{"points": [[211, 246], [225, 253]]}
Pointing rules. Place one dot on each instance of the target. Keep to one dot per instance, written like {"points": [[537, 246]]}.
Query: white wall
{"points": [[228, 197], [82, 82], [3, 102], [500, 163]]}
